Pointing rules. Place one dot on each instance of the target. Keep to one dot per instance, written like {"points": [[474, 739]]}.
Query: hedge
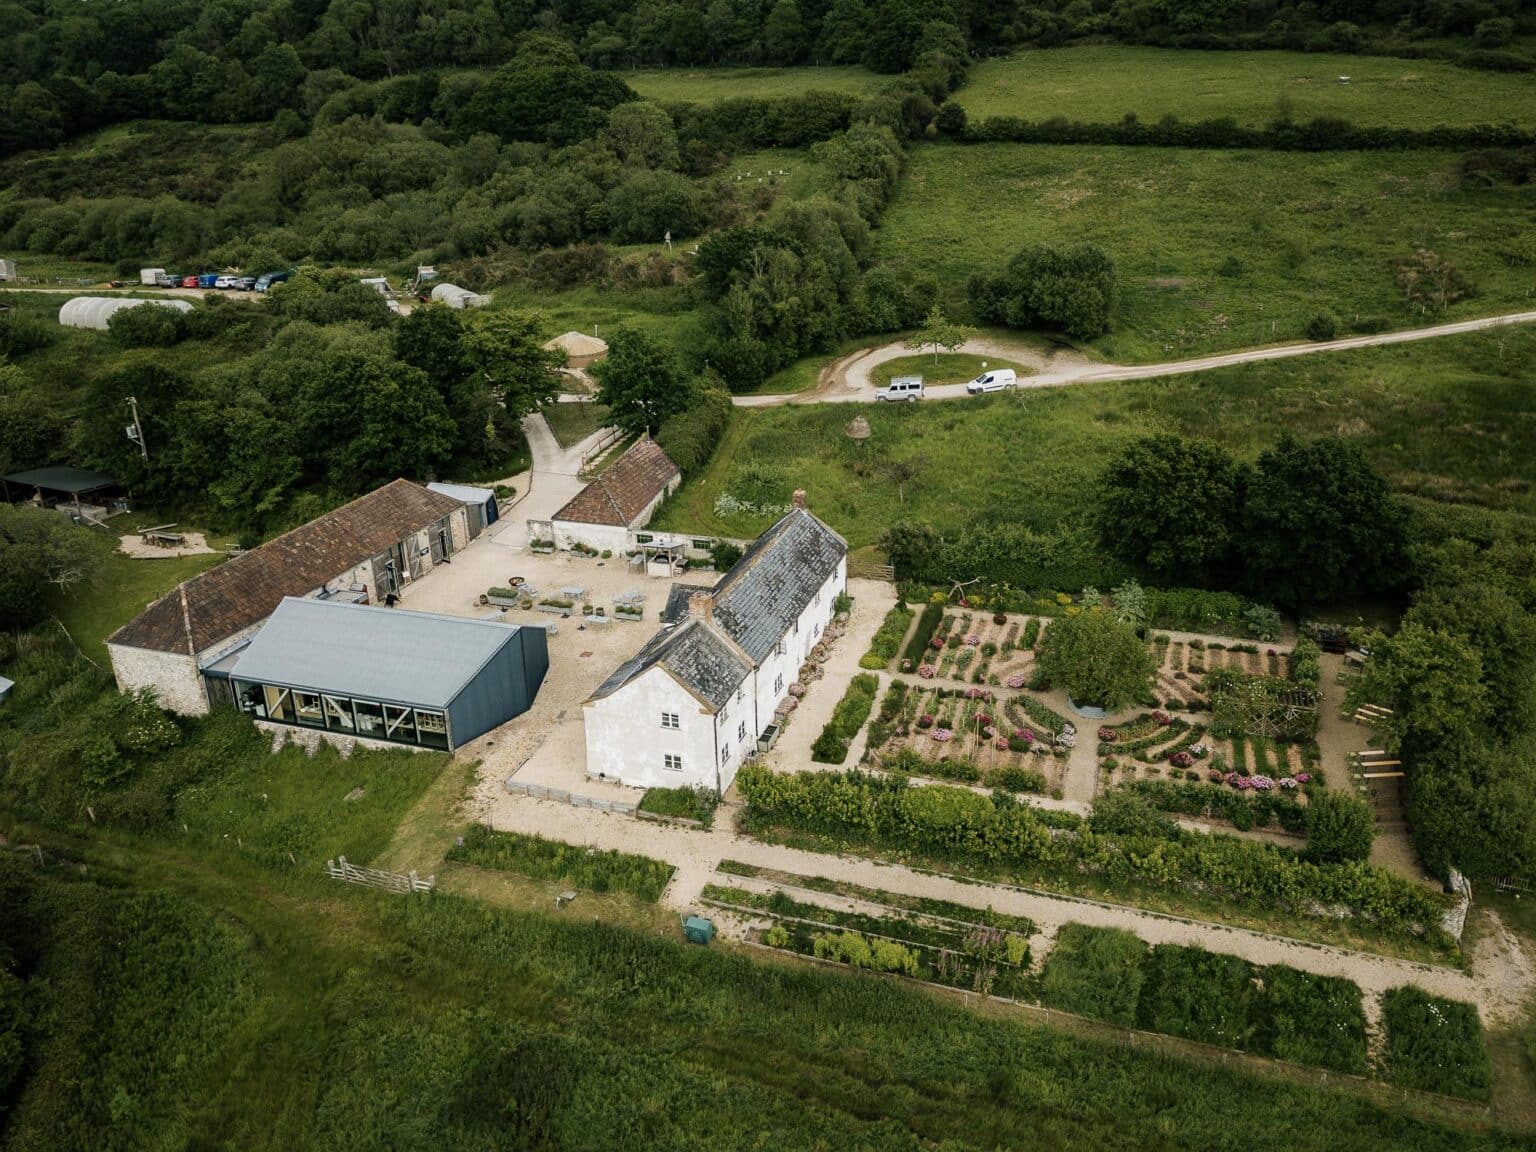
{"points": [[965, 827], [927, 623], [848, 717], [691, 436], [885, 643], [1245, 809], [1435, 1044]]}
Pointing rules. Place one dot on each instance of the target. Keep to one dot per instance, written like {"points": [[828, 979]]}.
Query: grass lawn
{"points": [[945, 368], [1101, 83], [1451, 419], [573, 422], [120, 589], [663, 312], [705, 85], [1215, 249]]}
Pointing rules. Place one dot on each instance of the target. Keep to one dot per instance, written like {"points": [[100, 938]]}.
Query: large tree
{"points": [[1320, 525], [41, 554], [1168, 505], [1502, 633], [505, 350], [1071, 288], [1432, 681], [1096, 659], [546, 93], [639, 381]]}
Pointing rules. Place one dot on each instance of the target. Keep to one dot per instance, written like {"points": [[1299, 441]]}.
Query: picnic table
{"points": [[162, 537]]}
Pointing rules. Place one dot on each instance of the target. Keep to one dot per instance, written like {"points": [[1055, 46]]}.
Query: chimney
{"points": [[701, 605], [799, 498]]}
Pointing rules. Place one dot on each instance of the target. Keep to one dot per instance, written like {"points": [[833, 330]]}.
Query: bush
{"points": [[927, 622], [1016, 778], [722, 554], [697, 803], [1435, 1044], [1310, 1019], [1199, 995], [887, 640], [831, 747], [1098, 660], [148, 325], [1095, 972], [1340, 829], [1322, 326], [573, 864], [692, 435]]}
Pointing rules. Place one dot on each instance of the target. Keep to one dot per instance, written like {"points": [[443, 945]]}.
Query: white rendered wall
{"points": [[625, 739]]}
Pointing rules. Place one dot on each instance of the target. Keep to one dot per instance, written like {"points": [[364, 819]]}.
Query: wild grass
{"points": [[1214, 249], [1451, 420], [572, 423], [706, 85], [542, 859], [1102, 83], [118, 589], [945, 368], [1434, 1043]]}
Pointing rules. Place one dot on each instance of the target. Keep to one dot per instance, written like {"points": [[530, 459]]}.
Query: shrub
{"points": [[691, 436], [1434, 1044], [574, 864], [1322, 326], [1016, 778], [1095, 972], [722, 554], [1098, 660], [927, 623], [887, 640], [1310, 1019], [148, 325], [1340, 829], [831, 747], [696, 803], [1199, 995]]}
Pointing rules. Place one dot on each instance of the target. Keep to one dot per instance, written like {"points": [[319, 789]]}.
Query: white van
{"points": [[994, 381], [902, 388]]}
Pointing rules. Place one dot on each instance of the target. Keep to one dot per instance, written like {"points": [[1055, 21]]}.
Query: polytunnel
{"points": [[456, 297], [95, 311]]}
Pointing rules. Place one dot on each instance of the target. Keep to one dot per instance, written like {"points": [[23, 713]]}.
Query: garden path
{"points": [[1500, 979], [850, 380]]}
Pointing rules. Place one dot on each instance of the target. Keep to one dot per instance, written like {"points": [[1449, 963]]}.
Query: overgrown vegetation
{"points": [[1435, 1044], [688, 803], [599, 871]]}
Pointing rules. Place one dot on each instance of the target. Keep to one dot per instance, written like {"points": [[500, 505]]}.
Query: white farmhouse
{"points": [[621, 500], [689, 708]]}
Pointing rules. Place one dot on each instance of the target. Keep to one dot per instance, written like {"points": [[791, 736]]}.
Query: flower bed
{"points": [[977, 648], [962, 734], [887, 638], [831, 747]]}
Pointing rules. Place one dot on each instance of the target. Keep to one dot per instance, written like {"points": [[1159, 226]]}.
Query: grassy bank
{"points": [[1214, 249], [706, 85], [1101, 83]]}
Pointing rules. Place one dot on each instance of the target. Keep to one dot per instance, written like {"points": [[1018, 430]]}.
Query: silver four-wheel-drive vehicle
{"points": [[902, 388]]}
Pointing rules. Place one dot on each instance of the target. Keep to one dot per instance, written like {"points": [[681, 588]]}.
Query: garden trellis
{"points": [[1262, 706]]}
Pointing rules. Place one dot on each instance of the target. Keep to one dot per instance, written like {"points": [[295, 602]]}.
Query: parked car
{"points": [[225, 282], [244, 283], [266, 281], [167, 280], [994, 381], [208, 280], [902, 388], [189, 281]]}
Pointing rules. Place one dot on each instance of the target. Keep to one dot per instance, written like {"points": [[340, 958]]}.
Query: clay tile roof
{"points": [[621, 493], [199, 613]]}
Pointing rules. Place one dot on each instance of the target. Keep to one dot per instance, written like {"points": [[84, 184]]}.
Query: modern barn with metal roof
{"points": [[387, 674]]}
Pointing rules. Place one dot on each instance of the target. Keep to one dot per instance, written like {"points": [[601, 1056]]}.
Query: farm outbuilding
{"points": [[456, 297], [95, 311], [480, 503], [374, 673]]}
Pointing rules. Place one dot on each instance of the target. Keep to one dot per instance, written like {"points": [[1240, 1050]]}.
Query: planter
{"points": [[1087, 710], [619, 614], [554, 610], [501, 601], [543, 549]]}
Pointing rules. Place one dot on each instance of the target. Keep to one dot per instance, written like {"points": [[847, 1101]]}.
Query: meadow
{"points": [[1215, 249], [1451, 420], [1101, 83], [706, 85]]}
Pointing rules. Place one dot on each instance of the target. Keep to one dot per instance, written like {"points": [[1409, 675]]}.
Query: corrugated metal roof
{"points": [[463, 493], [378, 653], [61, 478]]}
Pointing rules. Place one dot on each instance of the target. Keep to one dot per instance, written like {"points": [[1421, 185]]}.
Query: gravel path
{"points": [[1501, 980], [849, 380]]}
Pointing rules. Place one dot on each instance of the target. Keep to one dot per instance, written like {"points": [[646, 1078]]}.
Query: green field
{"points": [[1102, 83], [945, 368], [703, 85], [1451, 419], [1216, 249]]}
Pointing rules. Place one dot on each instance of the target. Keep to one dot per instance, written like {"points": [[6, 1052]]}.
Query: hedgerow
{"points": [[960, 826], [887, 640], [831, 747], [637, 876], [1435, 1044]]}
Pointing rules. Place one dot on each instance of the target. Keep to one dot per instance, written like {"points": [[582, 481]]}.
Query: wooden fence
{"points": [[339, 869], [575, 800]]}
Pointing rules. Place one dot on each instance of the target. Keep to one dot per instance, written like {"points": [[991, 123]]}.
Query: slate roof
{"points": [[695, 654], [388, 654], [754, 606], [199, 613], [770, 586], [620, 494]]}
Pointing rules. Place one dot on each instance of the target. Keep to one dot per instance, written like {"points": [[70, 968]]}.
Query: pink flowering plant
{"points": [[1108, 735], [927, 671], [1161, 717], [1015, 681], [942, 735], [972, 640]]}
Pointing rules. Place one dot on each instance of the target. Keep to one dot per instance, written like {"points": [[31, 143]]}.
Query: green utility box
{"points": [[698, 930]]}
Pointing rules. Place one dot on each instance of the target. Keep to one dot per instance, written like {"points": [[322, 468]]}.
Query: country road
{"points": [[848, 381]]}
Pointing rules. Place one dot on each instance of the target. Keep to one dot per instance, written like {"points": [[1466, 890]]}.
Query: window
{"points": [[671, 720], [725, 713], [672, 763], [740, 691], [816, 631], [702, 545], [433, 729], [778, 683], [797, 627], [308, 705], [338, 713], [741, 730], [725, 755]]}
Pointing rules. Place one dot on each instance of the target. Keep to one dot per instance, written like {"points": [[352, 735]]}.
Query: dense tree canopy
{"points": [[1097, 659], [1071, 289], [640, 381], [40, 552]]}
